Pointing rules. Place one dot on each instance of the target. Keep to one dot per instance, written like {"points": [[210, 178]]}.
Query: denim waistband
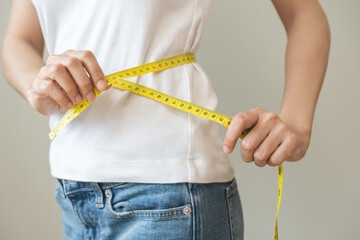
{"points": [[75, 186], [72, 187]]}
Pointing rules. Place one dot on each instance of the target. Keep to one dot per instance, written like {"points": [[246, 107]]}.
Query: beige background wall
{"points": [[321, 193]]}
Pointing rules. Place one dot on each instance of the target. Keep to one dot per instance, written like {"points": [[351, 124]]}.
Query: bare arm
{"points": [[22, 47], [306, 60], [286, 136], [61, 81]]}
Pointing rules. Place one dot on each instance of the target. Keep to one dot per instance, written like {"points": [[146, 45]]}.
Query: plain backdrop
{"points": [[242, 50]]}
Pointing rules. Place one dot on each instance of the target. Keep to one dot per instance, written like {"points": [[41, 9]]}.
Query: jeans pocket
{"points": [[149, 201], [235, 211]]}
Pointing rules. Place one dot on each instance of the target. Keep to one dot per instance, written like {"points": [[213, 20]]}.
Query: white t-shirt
{"points": [[121, 136]]}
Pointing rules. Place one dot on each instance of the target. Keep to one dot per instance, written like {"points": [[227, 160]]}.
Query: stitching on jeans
{"points": [[111, 185], [75, 190], [98, 197], [62, 188], [196, 200], [231, 188], [171, 216], [138, 214], [232, 192], [91, 216], [88, 204], [194, 210], [59, 190], [130, 184], [228, 200], [162, 216]]}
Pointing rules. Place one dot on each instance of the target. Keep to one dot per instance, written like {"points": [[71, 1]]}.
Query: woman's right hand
{"points": [[63, 82]]}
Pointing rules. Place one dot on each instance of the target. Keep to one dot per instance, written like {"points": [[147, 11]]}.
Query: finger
{"points": [[291, 150], [279, 155], [62, 76], [92, 66], [52, 89], [108, 87], [76, 69], [239, 123], [267, 147], [253, 139], [42, 76]]}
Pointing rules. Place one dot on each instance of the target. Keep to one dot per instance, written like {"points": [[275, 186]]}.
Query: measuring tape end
{"points": [[52, 135]]}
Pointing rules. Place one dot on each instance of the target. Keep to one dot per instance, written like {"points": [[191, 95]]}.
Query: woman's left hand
{"points": [[270, 141]]}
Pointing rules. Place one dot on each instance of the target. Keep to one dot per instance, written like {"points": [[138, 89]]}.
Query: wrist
{"points": [[299, 125]]}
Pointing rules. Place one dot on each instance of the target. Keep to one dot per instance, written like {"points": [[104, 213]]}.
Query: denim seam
{"points": [[228, 200], [91, 216], [198, 229], [138, 214], [112, 185], [134, 215], [232, 192], [98, 195], [118, 186], [60, 185], [194, 210], [232, 188], [78, 189], [180, 214], [60, 191]]}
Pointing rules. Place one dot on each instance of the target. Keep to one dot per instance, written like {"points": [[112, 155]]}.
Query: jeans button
{"points": [[107, 192], [187, 210], [71, 182]]}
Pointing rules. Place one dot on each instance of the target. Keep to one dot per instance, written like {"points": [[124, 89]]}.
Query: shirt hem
{"points": [[174, 172]]}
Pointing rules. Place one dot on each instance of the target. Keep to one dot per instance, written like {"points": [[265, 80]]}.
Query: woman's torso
{"points": [[123, 136]]}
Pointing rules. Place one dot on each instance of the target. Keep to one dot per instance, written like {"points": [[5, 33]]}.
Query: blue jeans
{"points": [[129, 210]]}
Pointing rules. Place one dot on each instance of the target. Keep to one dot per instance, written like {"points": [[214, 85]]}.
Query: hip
{"points": [[129, 210]]}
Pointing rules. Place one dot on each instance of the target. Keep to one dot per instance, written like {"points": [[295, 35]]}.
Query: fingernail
{"points": [[101, 85], [90, 96], [226, 149], [70, 105], [78, 98]]}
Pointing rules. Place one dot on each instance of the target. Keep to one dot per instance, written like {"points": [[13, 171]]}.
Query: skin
{"points": [[276, 138], [273, 139], [61, 81]]}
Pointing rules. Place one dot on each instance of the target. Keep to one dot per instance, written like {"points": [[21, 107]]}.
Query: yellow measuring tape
{"points": [[117, 80]]}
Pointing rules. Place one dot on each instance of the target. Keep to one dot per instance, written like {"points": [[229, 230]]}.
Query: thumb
{"points": [[240, 122]]}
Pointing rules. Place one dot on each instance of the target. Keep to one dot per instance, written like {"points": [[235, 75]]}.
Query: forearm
{"points": [[305, 66], [21, 63]]}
